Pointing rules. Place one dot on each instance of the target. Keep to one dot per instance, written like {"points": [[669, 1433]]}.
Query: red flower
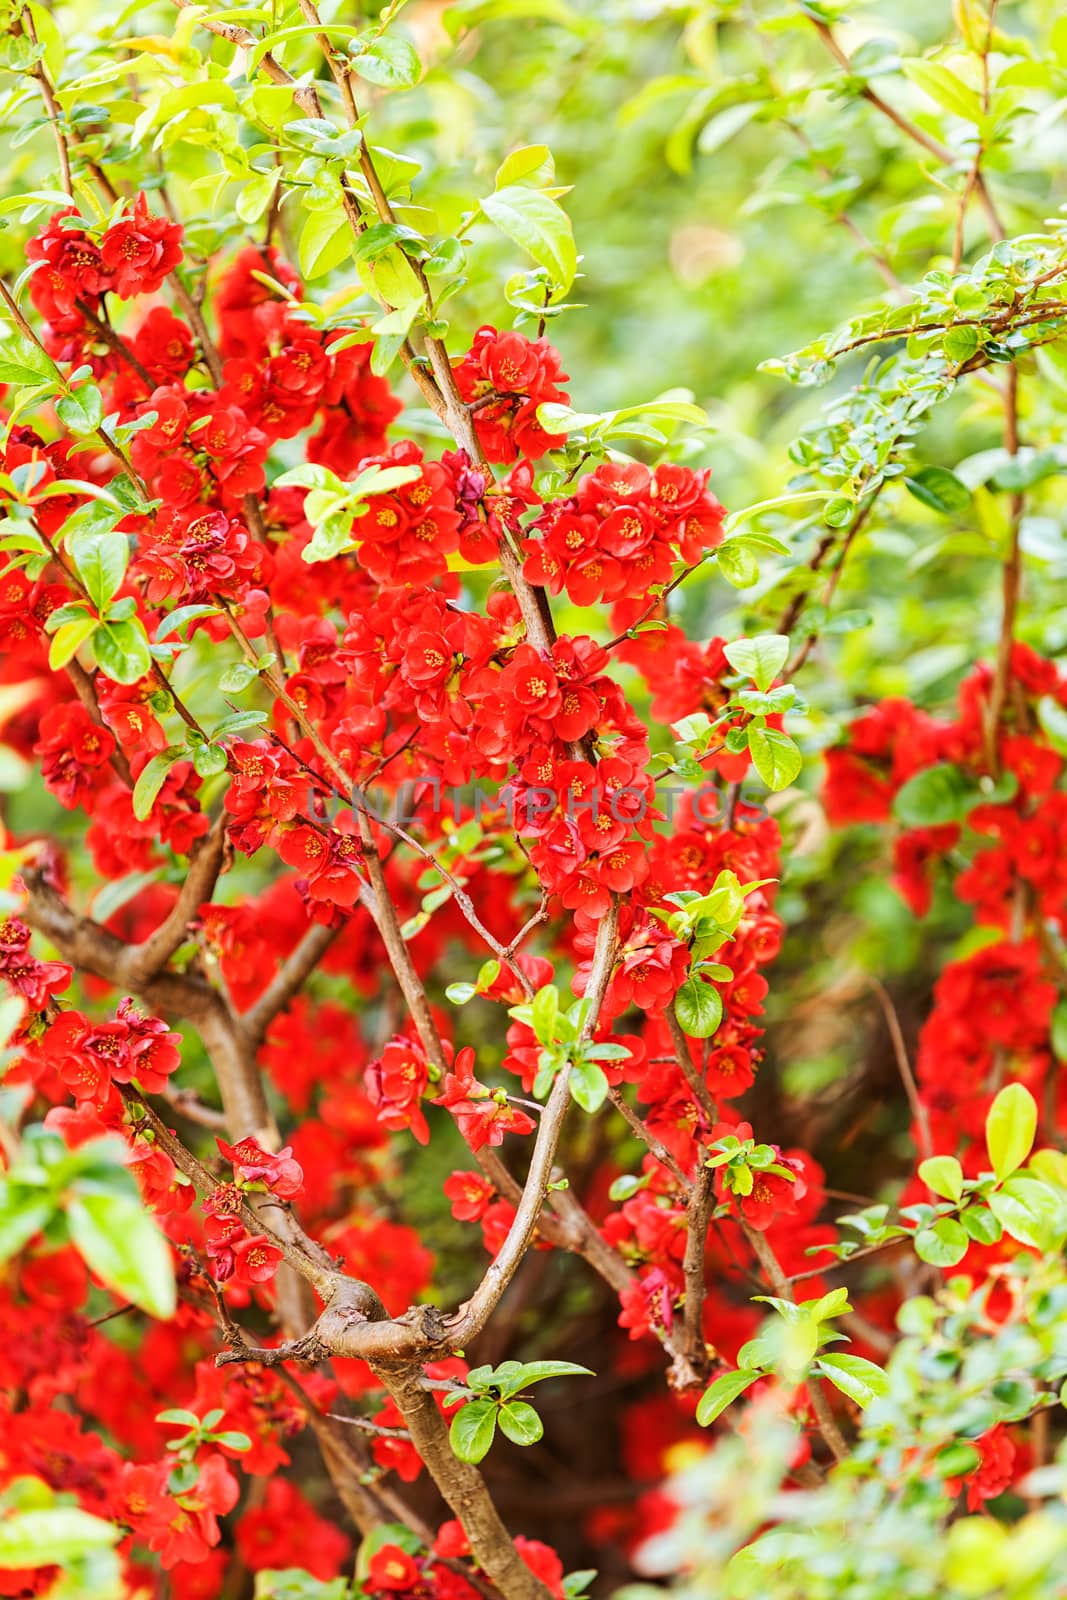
{"points": [[74, 752], [286, 1531], [392, 1571], [469, 1193], [281, 1174], [482, 1116], [396, 1083], [140, 250], [256, 1260]]}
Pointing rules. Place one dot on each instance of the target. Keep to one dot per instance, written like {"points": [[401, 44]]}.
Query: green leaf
{"points": [[1058, 1030], [122, 1244], [186, 1419], [943, 1244], [934, 797], [861, 1380], [388, 61], [237, 677], [83, 411], [775, 757], [54, 1536], [256, 194], [473, 1430], [382, 480], [588, 1085], [530, 1372], [122, 650], [236, 722], [981, 1224], [1010, 1128], [945, 88], [944, 1175], [178, 618], [959, 344], [1033, 1212], [520, 1423], [325, 241], [152, 779], [459, 993], [737, 564], [209, 760], [760, 659], [531, 162], [100, 560], [939, 489], [699, 1008], [233, 1441], [22, 1214], [533, 221], [544, 1012], [722, 1393], [69, 639], [25, 363]]}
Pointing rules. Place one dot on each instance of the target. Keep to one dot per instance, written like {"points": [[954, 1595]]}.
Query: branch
{"points": [[692, 1368], [52, 110], [462, 1487], [900, 1052], [91, 948], [486, 1297], [1011, 582], [206, 860], [288, 980], [910, 129], [639, 1127], [684, 1059]]}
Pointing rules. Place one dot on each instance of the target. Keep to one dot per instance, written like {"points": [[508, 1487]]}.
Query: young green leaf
{"points": [[722, 1393], [944, 1175], [588, 1085], [943, 1244], [100, 560], [151, 780], [123, 1245], [861, 1380], [69, 639], [520, 1423], [774, 756], [698, 1007], [760, 659], [473, 1430], [122, 650], [1010, 1128], [533, 221]]}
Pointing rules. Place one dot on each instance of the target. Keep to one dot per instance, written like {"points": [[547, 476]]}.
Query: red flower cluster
{"points": [[75, 268], [396, 1083], [622, 532], [407, 534], [92, 1057], [74, 752], [507, 377], [36, 981]]}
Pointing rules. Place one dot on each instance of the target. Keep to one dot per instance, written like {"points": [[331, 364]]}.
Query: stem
{"points": [[487, 1296]]}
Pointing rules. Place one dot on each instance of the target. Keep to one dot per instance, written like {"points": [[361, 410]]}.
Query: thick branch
{"points": [[462, 1487], [698, 1219], [205, 863]]}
